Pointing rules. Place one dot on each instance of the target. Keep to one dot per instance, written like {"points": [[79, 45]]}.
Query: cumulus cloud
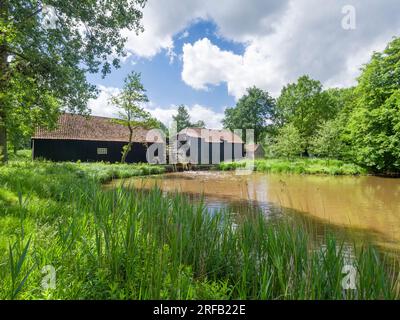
{"points": [[102, 107], [211, 118], [205, 64], [236, 19], [307, 39], [197, 112], [283, 39]]}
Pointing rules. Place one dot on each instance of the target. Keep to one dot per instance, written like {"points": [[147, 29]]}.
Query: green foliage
{"points": [[199, 124], [132, 114], [118, 244], [299, 166], [328, 142], [182, 119], [306, 106], [17, 260], [255, 110], [374, 125], [44, 59], [289, 143], [342, 100], [21, 155]]}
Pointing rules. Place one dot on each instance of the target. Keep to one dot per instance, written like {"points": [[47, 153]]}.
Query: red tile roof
{"points": [[210, 135], [91, 128], [252, 147]]}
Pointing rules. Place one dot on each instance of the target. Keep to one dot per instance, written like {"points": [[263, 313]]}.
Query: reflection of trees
{"points": [[370, 203]]}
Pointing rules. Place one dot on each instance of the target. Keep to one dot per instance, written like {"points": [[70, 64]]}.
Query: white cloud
{"points": [[283, 39], [308, 39], [205, 64], [197, 112], [184, 35], [102, 107], [210, 117], [162, 20]]}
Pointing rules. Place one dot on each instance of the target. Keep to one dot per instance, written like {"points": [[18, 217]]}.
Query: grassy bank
{"points": [[299, 166], [121, 244]]}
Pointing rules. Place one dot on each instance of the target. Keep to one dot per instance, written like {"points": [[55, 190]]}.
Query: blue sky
{"points": [[161, 76], [205, 53]]}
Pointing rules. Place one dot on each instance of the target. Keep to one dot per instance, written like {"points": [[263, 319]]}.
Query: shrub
{"points": [[289, 143]]}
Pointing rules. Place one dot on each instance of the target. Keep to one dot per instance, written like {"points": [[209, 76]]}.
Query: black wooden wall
{"points": [[86, 151], [213, 153]]}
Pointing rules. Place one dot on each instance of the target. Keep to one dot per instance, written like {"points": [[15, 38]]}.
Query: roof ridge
{"points": [[89, 116], [72, 126]]}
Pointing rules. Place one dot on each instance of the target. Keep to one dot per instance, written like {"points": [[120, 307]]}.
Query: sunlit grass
{"points": [[299, 166], [124, 244]]}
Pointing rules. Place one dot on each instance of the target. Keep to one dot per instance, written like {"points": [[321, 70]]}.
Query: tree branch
{"points": [[32, 14]]}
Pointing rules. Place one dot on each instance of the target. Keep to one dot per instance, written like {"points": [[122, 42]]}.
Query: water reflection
{"points": [[369, 206]]}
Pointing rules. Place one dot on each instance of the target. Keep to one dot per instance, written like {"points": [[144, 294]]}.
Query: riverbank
{"points": [[299, 166], [312, 166], [119, 244]]}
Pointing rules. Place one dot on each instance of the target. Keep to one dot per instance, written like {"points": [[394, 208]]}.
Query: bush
{"points": [[300, 166], [328, 141], [21, 155], [289, 143], [374, 124]]}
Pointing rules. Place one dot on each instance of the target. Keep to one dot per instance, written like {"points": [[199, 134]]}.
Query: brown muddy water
{"points": [[366, 206]]}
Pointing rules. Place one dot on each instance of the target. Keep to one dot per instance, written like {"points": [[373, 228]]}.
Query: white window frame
{"points": [[102, 151]]}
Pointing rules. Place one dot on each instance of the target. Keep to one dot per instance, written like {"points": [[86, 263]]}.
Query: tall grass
{"points": [[124, 244], [299, 166]]}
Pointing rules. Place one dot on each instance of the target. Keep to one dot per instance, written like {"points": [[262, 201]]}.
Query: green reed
{"points": [[299, 166], [130, 244]]}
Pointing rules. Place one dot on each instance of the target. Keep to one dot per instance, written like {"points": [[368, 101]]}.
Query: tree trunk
{"points": [[3, 140], [4, 74], [128, 147], [3, 119]]}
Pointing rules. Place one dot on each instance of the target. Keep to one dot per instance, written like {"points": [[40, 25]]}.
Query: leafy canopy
{"points": [[305, 105], [328, 141], [46, 50], [255, 110], [289, 143], [131, 113], [374, 126], [182, 119]]}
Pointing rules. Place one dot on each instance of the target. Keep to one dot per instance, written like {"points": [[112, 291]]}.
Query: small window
{"points": [[102, 151]]}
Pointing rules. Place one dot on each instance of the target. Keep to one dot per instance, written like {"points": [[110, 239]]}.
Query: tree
{"points": [[182, 119], [305, 105], [131, 114], [289, 143], [255, 110], [328, 140], [341, 100], [46, 50], [374, 125], [199, 124]]}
